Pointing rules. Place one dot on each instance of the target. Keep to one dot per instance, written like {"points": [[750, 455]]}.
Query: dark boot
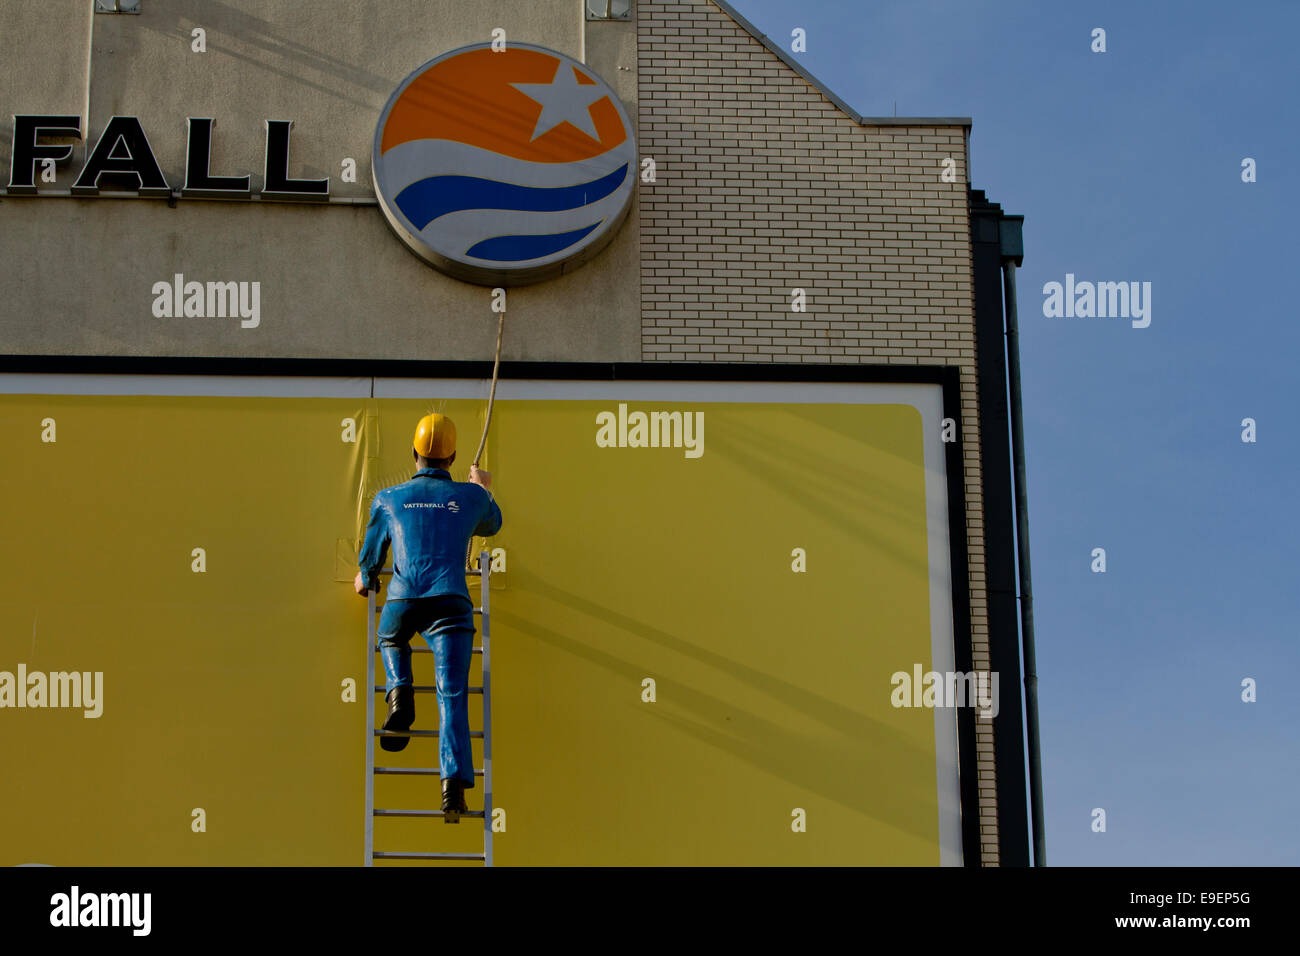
{"points": [[453, 800], [401, 714]]}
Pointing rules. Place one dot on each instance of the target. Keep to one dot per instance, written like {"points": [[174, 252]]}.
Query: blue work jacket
{"points": [[428, 522]]}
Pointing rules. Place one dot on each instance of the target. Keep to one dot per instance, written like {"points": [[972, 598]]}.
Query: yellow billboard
{"points": [[700, 592]]}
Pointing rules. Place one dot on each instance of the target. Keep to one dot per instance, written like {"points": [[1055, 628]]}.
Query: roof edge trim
{"points": [[816, 84]]}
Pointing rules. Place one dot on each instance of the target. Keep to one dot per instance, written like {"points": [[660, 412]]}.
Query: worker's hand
{"points": [[480, 477], [360, 585]]}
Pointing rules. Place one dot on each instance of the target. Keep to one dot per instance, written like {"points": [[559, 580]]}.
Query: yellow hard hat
{"points": [[435, 436]]}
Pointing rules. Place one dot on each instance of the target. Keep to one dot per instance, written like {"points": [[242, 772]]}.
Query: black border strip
{"points": [[946, 376], [420, 368]]}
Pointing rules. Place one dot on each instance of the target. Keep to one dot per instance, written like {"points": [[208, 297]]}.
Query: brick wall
{"points": [[765, 185]]}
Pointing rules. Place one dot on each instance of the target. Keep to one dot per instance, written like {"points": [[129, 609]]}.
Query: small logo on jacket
{"points": [[450, 505]]}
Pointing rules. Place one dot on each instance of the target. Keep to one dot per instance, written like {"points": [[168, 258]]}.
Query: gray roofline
{"points": [[853, 114]]}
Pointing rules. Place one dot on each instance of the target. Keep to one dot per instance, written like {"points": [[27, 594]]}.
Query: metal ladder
{"points": [[372, 626]]}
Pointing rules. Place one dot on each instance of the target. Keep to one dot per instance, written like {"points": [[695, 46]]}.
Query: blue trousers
{"points": [[447, 625]]}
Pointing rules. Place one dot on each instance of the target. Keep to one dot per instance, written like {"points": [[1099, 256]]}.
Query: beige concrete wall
{"points": [[764, 186], [43, 58]]}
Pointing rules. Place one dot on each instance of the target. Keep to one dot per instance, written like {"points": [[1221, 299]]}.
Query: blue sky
{"points": [[1127, 167]]}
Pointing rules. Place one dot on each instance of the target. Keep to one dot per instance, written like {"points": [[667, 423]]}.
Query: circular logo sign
{"points": [[504, 168]]}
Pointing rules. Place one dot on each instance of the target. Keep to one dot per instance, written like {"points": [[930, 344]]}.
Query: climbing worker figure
{"points": [[428, 521]]}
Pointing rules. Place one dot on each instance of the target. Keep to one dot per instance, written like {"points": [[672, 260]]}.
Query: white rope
{"points": [[482, 442]]}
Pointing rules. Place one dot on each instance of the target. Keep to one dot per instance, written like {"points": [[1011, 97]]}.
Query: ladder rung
{"points": [[382, 855], [424, 813], [379, 609], [419, 733], [425, 650], [422, 689], [418, 771]]}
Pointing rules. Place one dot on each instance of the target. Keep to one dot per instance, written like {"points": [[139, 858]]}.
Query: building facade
{"points": [[771, 226]]}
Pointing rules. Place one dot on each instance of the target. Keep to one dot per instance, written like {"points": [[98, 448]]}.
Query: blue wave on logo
{"points": [[522, 248], [424, 201]]}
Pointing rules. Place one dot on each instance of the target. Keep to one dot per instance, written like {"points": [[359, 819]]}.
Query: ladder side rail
{"points": [[485, 572], [372, 638]]}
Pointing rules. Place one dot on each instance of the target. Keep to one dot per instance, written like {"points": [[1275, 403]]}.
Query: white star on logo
{"points": [[563, 99]]}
